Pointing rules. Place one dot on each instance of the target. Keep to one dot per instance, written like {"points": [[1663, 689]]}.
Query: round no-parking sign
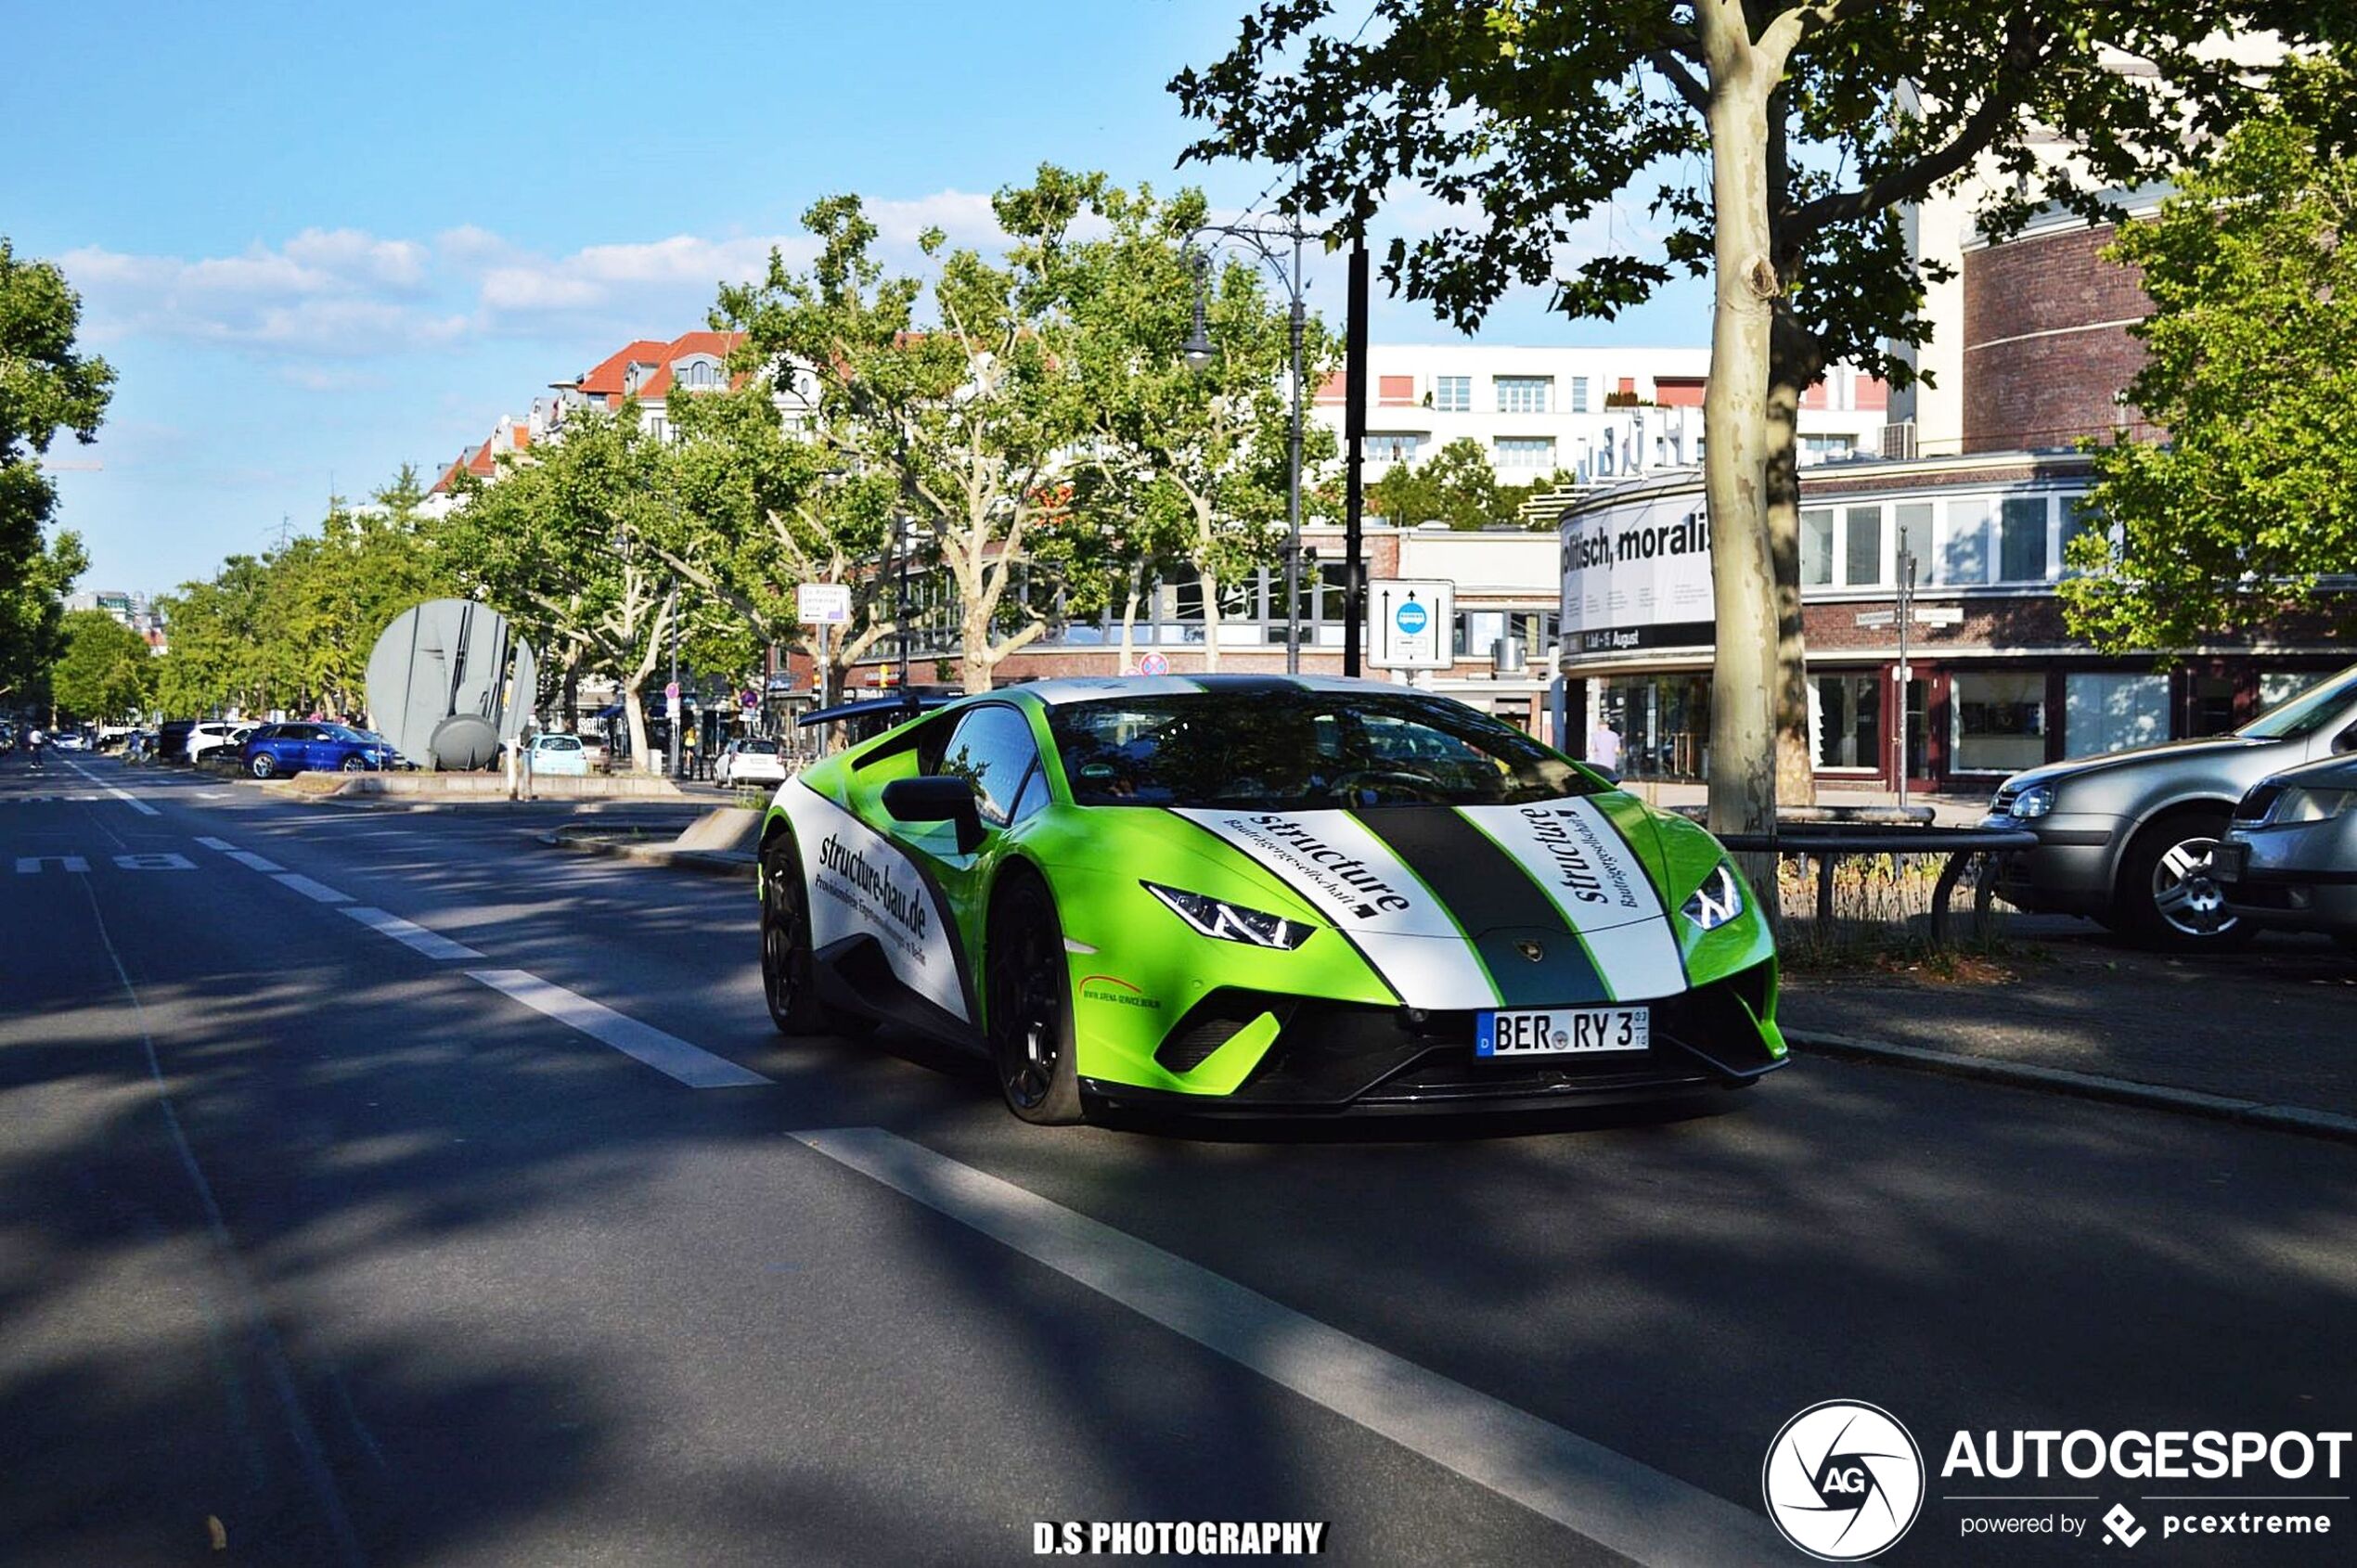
{"points": [[1155, 665]]}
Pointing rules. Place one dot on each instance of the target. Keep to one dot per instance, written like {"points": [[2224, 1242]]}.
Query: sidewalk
{"points": [[2266, 1036]]}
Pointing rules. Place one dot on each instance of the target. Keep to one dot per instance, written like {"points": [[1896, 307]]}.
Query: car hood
{"points": [[2168, 755], [1457, 906], [2333, 773]]}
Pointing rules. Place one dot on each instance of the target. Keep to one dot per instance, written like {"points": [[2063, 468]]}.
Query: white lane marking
{"points": [[692, 1065], [224, 845], [310, 888], [125, 796], [254, 862], [1612, 1500], [409, 933]]}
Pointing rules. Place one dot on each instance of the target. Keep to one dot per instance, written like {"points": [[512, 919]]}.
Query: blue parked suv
{"points": [[276, 749]]}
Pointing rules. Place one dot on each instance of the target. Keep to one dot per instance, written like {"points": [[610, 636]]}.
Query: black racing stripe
{"points": [[1495, 901]]}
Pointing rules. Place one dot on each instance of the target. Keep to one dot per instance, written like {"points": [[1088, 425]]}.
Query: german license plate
{"points": [[1561, 1030]]}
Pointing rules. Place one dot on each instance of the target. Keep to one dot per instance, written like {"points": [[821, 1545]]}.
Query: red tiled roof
{"points": [[611, 377]]}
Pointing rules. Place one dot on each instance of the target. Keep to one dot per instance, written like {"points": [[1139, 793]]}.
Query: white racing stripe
{"points": [[691, 1065], [1358, 882], [310, 888], [1572, 850], [409, 933], [1612, 1500]]}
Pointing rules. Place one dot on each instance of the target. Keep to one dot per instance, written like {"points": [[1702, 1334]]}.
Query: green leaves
{"points": [[2249, 502], [105, 671]]}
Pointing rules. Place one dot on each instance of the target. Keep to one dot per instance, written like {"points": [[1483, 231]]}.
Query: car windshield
{"points": [[1307, 750], [2306, 714]]}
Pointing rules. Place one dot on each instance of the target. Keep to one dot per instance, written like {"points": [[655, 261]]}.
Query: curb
{"points": [[709, 862], [2304, 1121]]}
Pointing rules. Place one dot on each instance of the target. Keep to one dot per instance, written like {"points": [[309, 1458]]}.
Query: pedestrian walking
{"points": [[1603, 744]]}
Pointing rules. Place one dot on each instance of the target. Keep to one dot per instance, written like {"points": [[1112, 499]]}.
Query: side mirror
{"points": [[2346, 741], [941, 798], [1611, 775]]}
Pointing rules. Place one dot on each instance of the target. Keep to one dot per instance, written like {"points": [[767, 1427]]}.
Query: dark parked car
{"points": [[172, 739], [276, 749], [2127, 837], [2290, 859]]}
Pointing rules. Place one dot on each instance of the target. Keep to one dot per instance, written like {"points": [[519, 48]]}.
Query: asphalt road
{"points": [[373, 1249]]}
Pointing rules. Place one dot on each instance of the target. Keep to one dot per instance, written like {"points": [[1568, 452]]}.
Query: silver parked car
{"points": [[2127, 837], [2290, 858]]}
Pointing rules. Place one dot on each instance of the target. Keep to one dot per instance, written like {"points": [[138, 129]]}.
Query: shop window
{"points": [[1862, 548], [2212, 702], [1849, 720], [2279, 687], [1816, 548], [2107, 713], [2022, 539], [1997, 723], [1964, 547]]}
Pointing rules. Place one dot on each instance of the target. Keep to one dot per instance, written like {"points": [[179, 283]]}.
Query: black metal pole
{"points": [[900, 531], [1292, 496], [1354, 426]]}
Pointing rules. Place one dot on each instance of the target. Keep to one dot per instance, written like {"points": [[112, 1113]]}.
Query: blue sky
{"points": [[318, 240]]}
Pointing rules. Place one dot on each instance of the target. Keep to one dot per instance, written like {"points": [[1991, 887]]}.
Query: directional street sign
{"points": [[1412, 623], [822, 604]]}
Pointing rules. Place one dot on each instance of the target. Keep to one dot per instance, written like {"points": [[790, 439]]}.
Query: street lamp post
{"points": [[1267, 242]]}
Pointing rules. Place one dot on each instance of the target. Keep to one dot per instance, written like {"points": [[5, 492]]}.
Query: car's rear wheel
{"points": [[2167, 896], [1028, 1003], [262, 766]]}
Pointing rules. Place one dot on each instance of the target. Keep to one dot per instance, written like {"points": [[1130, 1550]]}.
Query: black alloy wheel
{"points": [[789, 983], [1029, 1008]]}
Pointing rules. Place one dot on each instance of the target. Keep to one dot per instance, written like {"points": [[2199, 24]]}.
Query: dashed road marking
{"points": [[409, 933], [254, 862], [125, 796], [310, 888], [1615, 1501], [691, 1065]]}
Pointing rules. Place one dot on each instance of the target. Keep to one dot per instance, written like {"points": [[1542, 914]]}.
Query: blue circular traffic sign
{"points": [[1410, 618]]}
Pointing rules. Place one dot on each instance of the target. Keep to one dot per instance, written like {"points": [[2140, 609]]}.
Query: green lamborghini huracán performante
{"points": [[1261, 895]]}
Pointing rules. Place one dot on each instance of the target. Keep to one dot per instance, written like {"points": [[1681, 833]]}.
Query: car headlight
{"points": [[2034, 803], [2297, 804], [1230, 922], [1718, 900]]}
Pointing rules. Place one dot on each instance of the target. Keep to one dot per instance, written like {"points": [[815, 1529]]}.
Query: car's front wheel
{"points": [[2168, 897], [355, 764], [262, 766], [1028, 1006]]}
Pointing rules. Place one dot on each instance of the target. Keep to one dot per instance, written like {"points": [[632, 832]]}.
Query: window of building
{"points": [[1579, 394], [1962, 557], [1523, 394], [1863, 546], [1393, 446], [2210, 700], [2279, 687], [1527, 453], [1396, 391], [1997, 724], [1452, 394], [1849, 720], [2106, 712], [1913, 518], [2077, 517], [2022, 539], [1824, 446], [1817, 547]]}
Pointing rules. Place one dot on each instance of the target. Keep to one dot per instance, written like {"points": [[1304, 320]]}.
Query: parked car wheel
{"points": [[1029, 1002], [355, 764], [2167, 896], [262, 766]]}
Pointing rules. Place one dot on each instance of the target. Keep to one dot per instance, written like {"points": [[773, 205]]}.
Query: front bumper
{"points": [[2300, 877], [1339, 1058], [2069, 873]]}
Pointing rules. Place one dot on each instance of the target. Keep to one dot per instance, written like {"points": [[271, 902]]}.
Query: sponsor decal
{"points": [[1117, 991], [1583, 865], [1347, 881], [1181, 1538], [905, 905], [1844, 1481]]}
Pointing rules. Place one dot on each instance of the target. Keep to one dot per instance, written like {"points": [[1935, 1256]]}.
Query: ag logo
{"points": [[1843, 1481]]}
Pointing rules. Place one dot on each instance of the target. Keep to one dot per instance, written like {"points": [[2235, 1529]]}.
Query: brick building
{"points": [[1997, 683]]}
